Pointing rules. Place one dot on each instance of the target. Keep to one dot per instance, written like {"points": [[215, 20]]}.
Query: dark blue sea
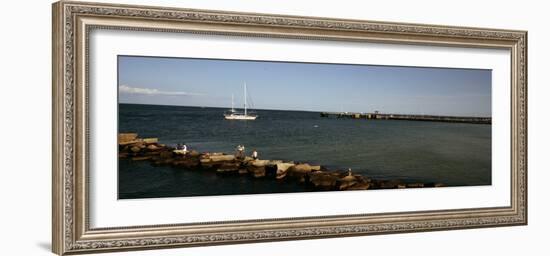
{"points": [[455, 154]]}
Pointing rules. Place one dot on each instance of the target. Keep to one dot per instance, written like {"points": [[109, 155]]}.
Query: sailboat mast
{"points": [[232, 104], [245, 98]]}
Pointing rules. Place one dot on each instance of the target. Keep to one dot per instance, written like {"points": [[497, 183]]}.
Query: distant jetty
{"points": [[433, 118], [314, 177]]}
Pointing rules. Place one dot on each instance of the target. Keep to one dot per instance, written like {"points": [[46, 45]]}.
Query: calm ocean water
{"points": [[450, 153]]}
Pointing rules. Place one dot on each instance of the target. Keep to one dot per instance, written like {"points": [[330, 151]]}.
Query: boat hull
{"points": [[240, 117]]}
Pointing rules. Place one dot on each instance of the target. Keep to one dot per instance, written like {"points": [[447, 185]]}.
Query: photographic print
{"points": [[164, 119], [205, 127]]}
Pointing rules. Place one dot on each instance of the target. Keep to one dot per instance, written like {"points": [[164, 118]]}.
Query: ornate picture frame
{"points": [[72, 23]]}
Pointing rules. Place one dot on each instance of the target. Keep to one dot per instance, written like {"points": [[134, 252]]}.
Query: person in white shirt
{"points": [[184, 149], [181, 149]]}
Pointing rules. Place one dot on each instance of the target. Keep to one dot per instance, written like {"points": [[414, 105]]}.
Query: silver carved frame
{"points": [[72, 22]]}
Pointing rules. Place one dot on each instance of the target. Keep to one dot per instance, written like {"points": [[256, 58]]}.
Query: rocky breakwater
{"points": [[314, 177]]}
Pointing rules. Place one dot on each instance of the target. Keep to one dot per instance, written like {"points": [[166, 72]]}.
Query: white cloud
{"points": [[147, 91]]}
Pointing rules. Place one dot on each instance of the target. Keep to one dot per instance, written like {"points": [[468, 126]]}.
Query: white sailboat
{"points": [[234, 115]]}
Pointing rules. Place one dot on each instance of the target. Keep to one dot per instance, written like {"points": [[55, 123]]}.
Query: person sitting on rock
{"points": [[184, 149], [240, 151], [255, 154], [181, 149]]}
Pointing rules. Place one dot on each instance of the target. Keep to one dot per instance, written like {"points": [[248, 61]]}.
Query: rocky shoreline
{"points": [[315, 177]]}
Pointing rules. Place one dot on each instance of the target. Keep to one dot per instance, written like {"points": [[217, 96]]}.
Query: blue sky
{"points": [[305, 86]]}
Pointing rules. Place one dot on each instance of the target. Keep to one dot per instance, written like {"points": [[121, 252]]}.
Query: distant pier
{"points": [[432, 118]]}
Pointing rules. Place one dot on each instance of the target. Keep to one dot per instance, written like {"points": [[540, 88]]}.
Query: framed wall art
{"points": [[181, 127]]}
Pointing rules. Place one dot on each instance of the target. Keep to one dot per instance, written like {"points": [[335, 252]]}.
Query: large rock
{"points": [[135, 149], [362, 179], [347, 182], [284, 166], [360, 186], [229, 167], [256, 168], [301, 168], [166, 154], [315, 168], [127, 138], [256, 171], [271, 168], [299, 171], [213, 161], [153, 147], [259, 163], [222, 158], [205, 160], [194, 153], [151, 140], [282, 169], [323, 181]]}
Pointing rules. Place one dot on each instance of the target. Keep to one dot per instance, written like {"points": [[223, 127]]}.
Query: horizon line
{"points": [[313, 111]]}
